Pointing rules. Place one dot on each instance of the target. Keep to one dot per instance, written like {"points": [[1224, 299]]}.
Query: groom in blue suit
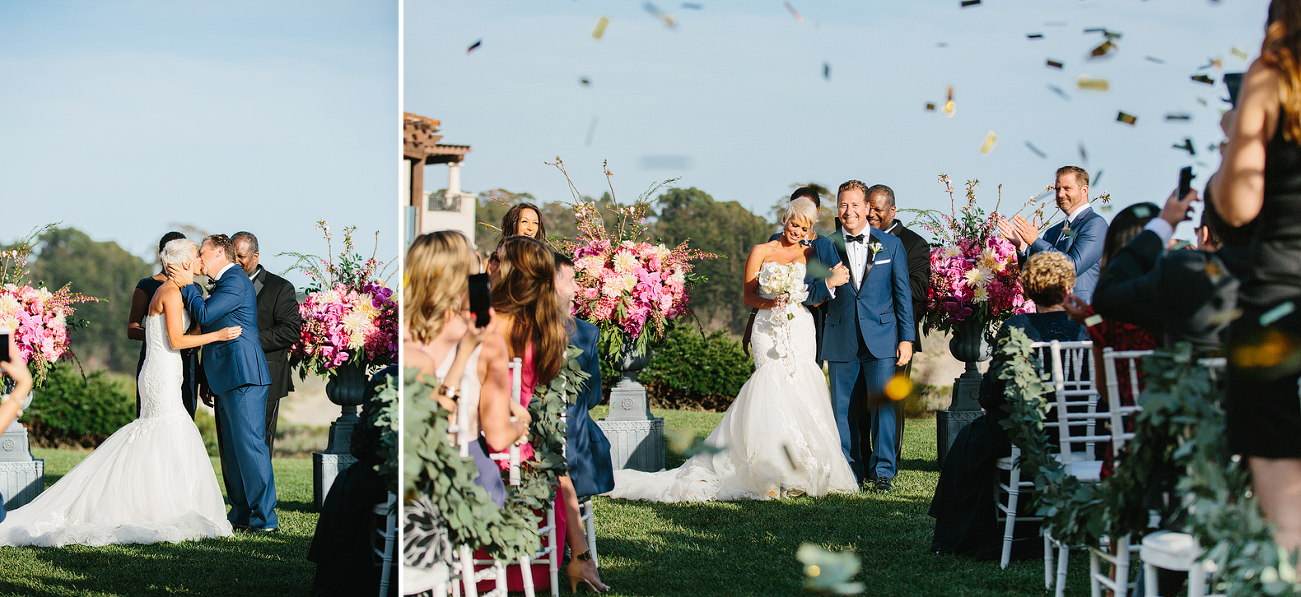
{"points": [[868, 332], [237, 373], [1080, 236]]}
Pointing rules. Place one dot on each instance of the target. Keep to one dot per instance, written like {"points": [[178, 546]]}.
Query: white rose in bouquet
{"points": [[782, 281]]}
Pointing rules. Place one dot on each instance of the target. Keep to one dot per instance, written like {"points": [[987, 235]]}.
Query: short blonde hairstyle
{"points": [[801, 208], [436, 276], [1047, 276], [178, 251]]}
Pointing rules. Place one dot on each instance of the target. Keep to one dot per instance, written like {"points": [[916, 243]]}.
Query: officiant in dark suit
{"points": [[279, 325], [880, 215], [1080, 236]]}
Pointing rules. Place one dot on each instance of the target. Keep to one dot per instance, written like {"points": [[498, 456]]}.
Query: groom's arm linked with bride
{"points": [[236, 372]]}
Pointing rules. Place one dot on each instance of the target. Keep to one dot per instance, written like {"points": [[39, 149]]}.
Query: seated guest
{"points": [[964, 506]]}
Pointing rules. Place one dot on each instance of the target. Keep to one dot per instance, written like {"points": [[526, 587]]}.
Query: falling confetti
{"points": [[474, 46], [600, 27], [930, 107], [829, 571], [1034, 36], [1154, 59], [1129, 119], [826, 70], [1092, 84], [1277, 313], [591, 130], [1178, 116], [1098, 178], [692, 6], [1186, 146], [798, 17], [1203, 79], [661, 15], [1057, 64], [990, 140], [584, 81], [899, 387], [1060, 91], [790, 458], [1239, 53], [1036, 150], [949, 107], [1211, 63], [1084, 155], [966, 3], [1103, 50]]}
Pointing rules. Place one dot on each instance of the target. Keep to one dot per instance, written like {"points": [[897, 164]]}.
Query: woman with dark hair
{"points": [[964, 506], [1260, 179], [135, 329], [524, 219]]}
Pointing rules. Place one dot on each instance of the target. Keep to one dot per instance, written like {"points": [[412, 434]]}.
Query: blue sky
{"points": [[123, 119], [735, 93]]}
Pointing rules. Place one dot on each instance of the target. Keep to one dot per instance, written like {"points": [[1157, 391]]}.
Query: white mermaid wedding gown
{"points": [[779, 436], [149, 482]]}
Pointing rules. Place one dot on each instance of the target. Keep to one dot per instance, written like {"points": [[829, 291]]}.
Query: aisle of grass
{"points": [[240, 566], [748, 548]]}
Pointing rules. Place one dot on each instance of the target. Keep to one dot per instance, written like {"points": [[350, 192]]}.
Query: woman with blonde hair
{"points": [[1260, 180], [469, 362]]}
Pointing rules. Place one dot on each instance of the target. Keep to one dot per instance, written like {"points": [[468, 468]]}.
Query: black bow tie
{"points": [[854, 238]]}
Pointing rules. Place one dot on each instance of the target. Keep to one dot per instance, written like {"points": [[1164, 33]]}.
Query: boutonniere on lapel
{"points": [[1067, 232], [875, 247]]}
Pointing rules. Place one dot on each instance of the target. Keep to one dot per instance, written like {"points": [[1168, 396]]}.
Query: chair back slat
{"points": [[1121, 414]]}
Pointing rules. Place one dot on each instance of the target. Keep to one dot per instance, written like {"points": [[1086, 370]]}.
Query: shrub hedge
{"points": [[692, 371], [76, 410]]}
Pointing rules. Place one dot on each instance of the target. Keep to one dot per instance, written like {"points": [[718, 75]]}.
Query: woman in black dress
{"points": [[1260, 179], [964, 506], [135, 330]]}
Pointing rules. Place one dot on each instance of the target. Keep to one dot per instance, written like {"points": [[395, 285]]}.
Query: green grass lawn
{"points": [[748, 548], [243, 565]]}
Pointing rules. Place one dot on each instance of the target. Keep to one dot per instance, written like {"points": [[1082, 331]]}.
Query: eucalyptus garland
{"points": [[1180, 428], [435, 471]]}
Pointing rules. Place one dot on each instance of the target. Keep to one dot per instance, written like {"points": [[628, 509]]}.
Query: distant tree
{"points": [[726, 229], [100, 269]]}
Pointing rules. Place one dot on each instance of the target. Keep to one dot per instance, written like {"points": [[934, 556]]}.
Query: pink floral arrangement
{"points": [[349, 316], [974, 271], [628, 287], [38, 318]]}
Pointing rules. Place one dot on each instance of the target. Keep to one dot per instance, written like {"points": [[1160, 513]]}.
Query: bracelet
{"points": [[449, 392]]}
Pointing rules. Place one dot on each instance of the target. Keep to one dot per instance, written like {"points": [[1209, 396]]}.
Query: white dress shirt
{"points": [[223, 271], [858, 254]]}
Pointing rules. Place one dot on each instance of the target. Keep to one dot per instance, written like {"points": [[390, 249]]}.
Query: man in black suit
{"points": [[279, 325], [880, 214]]}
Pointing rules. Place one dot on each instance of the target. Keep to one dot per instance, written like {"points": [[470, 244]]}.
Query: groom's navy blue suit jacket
{"points": [[1082, 244], [881, 305], [232, 363]]}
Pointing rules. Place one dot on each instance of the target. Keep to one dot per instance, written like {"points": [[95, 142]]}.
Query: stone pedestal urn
{"points": [[636, 437], [969, 344], [22, 477], [346, 388]]}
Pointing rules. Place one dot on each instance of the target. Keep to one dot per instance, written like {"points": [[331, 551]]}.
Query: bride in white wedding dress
{"points": [[151, 481], [778, 437]]}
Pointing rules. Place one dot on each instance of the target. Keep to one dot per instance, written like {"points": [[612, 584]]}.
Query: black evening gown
{"points": [[965, 507]]}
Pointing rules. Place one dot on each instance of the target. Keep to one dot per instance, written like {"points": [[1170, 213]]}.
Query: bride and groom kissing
{"points": [[152, 481], [787, 433]]}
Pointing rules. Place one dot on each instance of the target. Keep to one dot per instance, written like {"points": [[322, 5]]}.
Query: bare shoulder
{"points": [[166, 298], [416, 357]]}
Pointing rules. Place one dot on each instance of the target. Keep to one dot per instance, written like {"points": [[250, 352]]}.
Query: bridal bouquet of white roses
{"points": [[781, 280]]}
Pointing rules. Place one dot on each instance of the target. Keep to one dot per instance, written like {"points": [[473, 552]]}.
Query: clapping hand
{"points": [[1027, 231]]}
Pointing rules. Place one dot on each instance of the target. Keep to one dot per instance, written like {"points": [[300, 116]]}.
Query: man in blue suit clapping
{"points": [[1080, 236], [868, 332], [236, 372]]}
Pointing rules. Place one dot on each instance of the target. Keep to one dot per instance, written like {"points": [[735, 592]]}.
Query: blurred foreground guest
{"points": [[14, 369], [135, 330], [278, 322], [965, 506], [1079, 236], [587, 449], [348, 529], [441, 340], [1260, 179]]}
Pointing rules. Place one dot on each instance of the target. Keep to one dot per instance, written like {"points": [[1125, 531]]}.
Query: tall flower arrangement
{"points": [[349, 315], [39, 319], [628, 287], [974, 271]]}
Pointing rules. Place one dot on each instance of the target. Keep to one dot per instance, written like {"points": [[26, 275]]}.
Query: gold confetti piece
{"points": [[930, 107], [1129, 119], [661, 15], [1054, 63], [474, 46], [1203, 79], [899, 387], [1212, 63], [1239, 53], [814, 570], [990, 140], [1214, 271], [1092, 320], [1277, 313], [1106, 48], [949, 108], [798, 16], [600, 27], [1092, 84]]}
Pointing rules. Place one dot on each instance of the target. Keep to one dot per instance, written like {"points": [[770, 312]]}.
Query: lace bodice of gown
{"points": [[161, 377], [779, 339]]}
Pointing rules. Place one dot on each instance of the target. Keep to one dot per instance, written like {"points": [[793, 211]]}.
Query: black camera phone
{"points": [[4, 344], [1185, 181], [480, 299], [1234, 82]]}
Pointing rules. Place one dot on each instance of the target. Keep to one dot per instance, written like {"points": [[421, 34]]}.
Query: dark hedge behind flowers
{"points": [[691, 370], [72, 410]]}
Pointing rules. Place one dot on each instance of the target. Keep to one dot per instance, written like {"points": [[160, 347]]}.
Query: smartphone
{"points": [[4, 344], [1234, 82], [1185, 181], [480, 299]]}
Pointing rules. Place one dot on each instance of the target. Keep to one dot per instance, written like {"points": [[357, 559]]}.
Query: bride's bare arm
{"points": [[172, 309], [750, 290]]}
